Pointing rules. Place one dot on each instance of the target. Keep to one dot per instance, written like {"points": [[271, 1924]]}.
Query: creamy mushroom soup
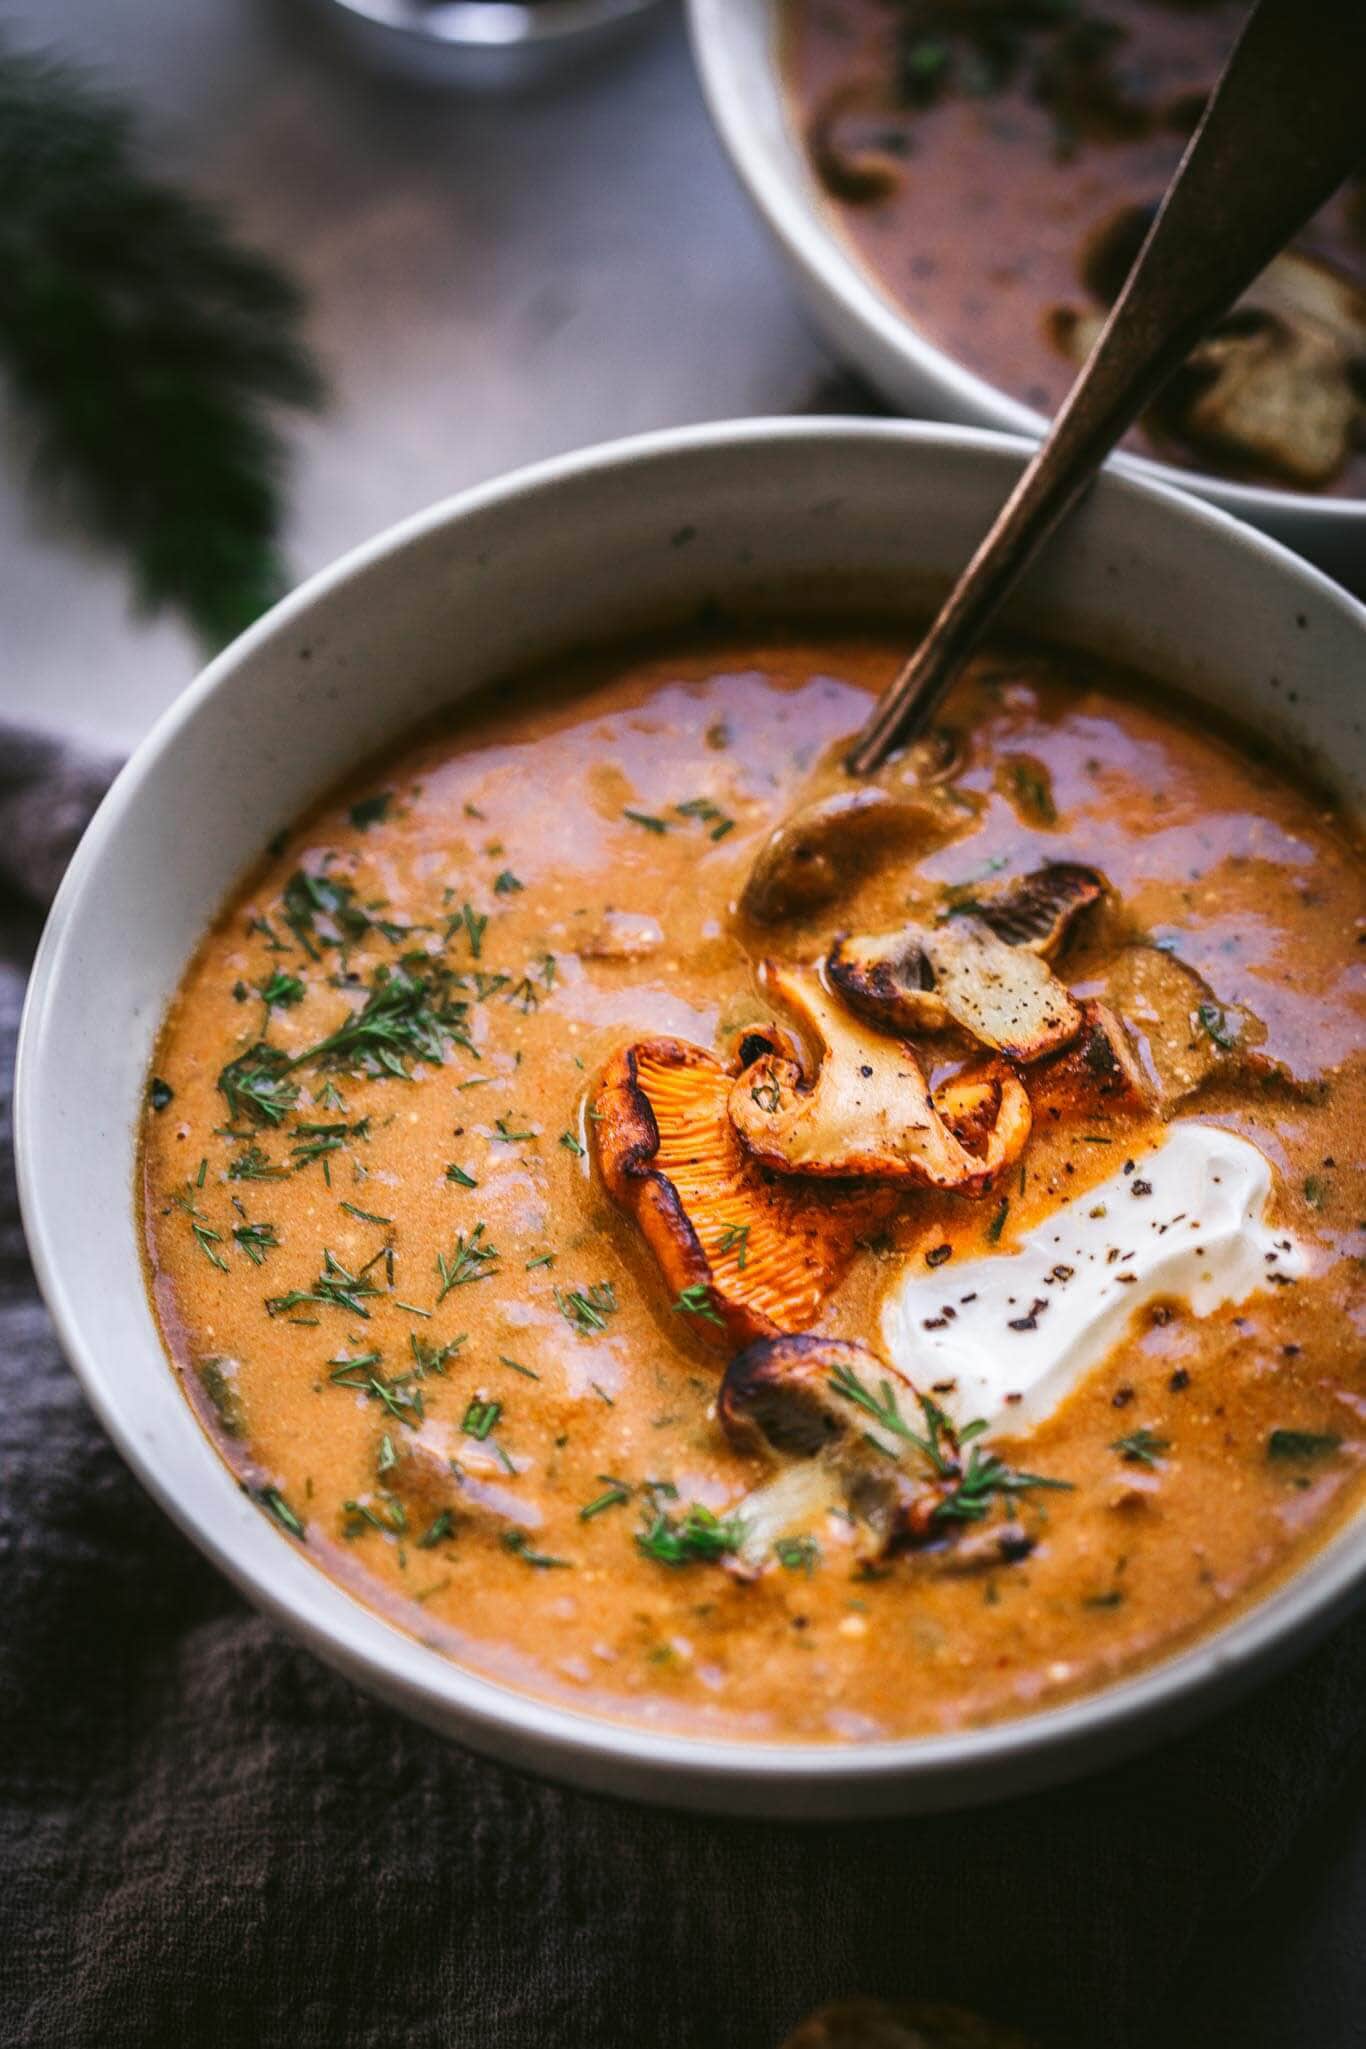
{"points": [[995, 164], [756, 1254]]}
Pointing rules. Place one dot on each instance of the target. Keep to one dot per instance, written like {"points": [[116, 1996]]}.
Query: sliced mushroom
{"points": [[868, 1110], [752, 1254], [1184, 1035], [826, 844], [1040, 911], [779, 1401], [852, 141], [1277, 385], [1098, 1072], [922, 979]]}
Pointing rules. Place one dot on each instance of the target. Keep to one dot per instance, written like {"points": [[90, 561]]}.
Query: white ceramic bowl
{"points": [[495, 45], [735, 45], [826, 515]]}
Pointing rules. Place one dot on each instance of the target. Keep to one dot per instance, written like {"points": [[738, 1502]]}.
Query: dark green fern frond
{"points": [[145, 352]]}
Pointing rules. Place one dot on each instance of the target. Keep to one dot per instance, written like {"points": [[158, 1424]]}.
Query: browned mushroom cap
{"points": [[1099, 1071], [753, 1253], [1040, 911], [848, 135], [826, 844], [780, 1401], [868, 1111], [921, 979], [1184, 1036], [1276, 384]]}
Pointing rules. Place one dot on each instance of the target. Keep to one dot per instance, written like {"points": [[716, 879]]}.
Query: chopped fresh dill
{"points": [[527, 1372], [256, 1240], [616, 1495], [695, 1300], [707, 813], [469, 921], [587, 1308], [255, 1165], [309, 1142], [694, 1536], [571, 1144], [256, 1085], [518, 1542], [511, 1134], [409, 1014], [208, 1240], [1142, 1447], [972, 1486], [335, 1288], [433, 1358], [364, 1216], [507, 884], [472, 1260], [437, 1531], [541, 1259], [735, 1239], [397, 1396], [650, 823], [460, 1177], [998, 1222], [798, 1554], [370, 810], [480, 1417], [274, 1503], [1302, 1444], [280, 990]]}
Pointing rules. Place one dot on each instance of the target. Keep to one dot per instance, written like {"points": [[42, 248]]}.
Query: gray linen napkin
{"points": [[207, 1838]]}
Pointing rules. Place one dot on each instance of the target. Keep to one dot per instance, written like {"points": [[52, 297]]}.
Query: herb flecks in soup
{"points": [[754, 1255], [996, 164]]}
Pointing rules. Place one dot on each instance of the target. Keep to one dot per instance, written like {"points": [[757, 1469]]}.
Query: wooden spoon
{"points": [[1285, 125]]}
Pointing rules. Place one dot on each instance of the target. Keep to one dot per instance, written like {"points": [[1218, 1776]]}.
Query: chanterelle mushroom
{"points": [[962, 972], [744, 1251], [868, 1110]]}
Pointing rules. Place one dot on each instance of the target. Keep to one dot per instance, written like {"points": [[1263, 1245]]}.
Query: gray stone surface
{"points": [[493, 280]]}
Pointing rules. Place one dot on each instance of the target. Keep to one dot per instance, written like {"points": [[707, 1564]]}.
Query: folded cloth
{"points": [[208, 1838]]}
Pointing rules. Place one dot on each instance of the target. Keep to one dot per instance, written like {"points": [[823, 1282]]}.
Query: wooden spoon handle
{"points": [[1284, 126]]}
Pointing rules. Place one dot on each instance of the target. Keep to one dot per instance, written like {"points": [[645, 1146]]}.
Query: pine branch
{"points": [[146, 353]]}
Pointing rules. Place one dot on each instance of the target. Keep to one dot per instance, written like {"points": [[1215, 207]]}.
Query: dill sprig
{"points": [[396, 1394], [472, 1260], [971, 1485], [587, 1308], [256, 1240], [256, 1085], [696, 1536], [409, 1014], [146, 352], [335, 1288]]}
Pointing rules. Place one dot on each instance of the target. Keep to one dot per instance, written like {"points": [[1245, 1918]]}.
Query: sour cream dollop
{"points": [[1016, 1331]]}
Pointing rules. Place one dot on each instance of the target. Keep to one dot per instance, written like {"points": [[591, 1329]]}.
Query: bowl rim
{"points": [[738, 1775], [790, 207], [477, 25]]}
